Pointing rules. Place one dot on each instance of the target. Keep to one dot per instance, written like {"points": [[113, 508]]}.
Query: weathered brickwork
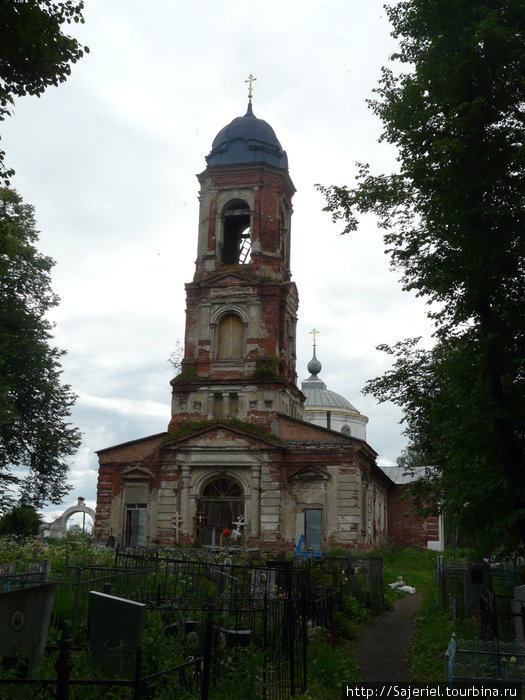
{"points": [[236, 449], [407, 530]]}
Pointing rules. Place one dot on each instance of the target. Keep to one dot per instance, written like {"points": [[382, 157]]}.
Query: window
{"points": [[312, 530], [218, 408], [230, 338], [135, 525], [234, 404], [237, 243]]}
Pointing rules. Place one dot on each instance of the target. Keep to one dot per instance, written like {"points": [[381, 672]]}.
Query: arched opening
{"points": [[220, 505], [80, 523], [236, 223], [230, 338]]}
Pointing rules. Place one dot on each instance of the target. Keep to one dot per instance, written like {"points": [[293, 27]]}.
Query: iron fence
{"points": [[360, 577], [478, 660], [235, 619]]}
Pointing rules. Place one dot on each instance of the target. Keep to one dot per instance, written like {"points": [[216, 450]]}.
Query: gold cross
{"points": [[314, 333], [250, 80]]}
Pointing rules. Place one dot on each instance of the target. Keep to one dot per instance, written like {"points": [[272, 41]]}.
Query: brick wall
{"points": [[408, 530]]}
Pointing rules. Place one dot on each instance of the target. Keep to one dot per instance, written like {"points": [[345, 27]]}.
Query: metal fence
{"points": [[479, 591], [241, 621], [360, 577], [478, 660]]}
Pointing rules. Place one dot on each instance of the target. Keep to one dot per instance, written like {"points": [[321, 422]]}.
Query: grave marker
{"points": [[24, 621], [115, 633]]}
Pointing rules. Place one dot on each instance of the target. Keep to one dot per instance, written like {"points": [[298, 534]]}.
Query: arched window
{"points": [[236, 243], [230, 343]]}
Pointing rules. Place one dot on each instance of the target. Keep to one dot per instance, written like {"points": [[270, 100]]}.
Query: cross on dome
{"points": [[314, 333], [250, 81]]}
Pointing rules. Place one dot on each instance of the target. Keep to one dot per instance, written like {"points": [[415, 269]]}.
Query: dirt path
{"points": [[381, 648]]}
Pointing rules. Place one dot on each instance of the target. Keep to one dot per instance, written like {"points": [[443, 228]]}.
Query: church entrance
{"points": [[220, 505]]}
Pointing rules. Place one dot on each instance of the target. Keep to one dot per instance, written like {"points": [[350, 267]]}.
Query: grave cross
{"points": [[177, 522], [198, 518], [237, 527]]}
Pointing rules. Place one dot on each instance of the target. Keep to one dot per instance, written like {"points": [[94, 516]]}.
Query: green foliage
{"points": [[454, 224], [34, 51], [329, 665], [234, 422], [241, 674], [22, 521], [35, 435], [434, 628], [267, 367], [187, 375]]}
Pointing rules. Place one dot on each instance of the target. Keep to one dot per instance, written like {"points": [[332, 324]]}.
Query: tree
{"points": [[454, 225], [22, 521], [34, 51], [35, 435]]}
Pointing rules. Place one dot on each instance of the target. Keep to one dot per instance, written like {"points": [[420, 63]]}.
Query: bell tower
{"points": [[241, 307]]}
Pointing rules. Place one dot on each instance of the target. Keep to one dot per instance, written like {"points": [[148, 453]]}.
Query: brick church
{"points": [[239, 452]]}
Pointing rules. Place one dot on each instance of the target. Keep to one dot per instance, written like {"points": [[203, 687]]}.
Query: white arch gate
{"points": [[58, 527]]}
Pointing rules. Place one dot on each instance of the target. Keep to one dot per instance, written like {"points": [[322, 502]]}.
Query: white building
{"points": [[328, 409]]}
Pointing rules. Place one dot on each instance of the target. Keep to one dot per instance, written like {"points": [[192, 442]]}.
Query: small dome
{"points": [[314, 366], [247, 140], [327, 408]]}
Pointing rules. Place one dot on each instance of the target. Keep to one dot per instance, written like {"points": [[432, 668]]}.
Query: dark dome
{"points": [[247, 140]]}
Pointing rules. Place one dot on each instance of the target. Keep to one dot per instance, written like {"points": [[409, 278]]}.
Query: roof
{"points": [[247, 139], [324, 398], [318, 396], [399, 476]]}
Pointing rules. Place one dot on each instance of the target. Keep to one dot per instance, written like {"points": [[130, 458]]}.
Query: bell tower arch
{"points": [[241, 306]]}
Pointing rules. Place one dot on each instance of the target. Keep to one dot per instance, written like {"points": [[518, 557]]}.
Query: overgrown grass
{"points": [[435, 626]]}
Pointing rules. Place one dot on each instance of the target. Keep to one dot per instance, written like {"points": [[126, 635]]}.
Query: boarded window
{"points": [[230, 338]]}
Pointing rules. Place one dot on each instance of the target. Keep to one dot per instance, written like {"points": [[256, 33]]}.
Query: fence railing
{"points": [[217, 608], [478, 660]]}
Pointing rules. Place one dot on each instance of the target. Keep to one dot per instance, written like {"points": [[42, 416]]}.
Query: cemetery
{"points": [[149, 622]]}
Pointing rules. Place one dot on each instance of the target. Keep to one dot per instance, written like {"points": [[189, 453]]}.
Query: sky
{"points": [[109, 158]]}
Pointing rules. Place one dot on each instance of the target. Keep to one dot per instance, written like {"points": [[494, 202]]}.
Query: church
{"points": [[245, 450]]}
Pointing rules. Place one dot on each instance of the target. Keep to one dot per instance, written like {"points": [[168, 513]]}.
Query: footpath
{"points": [[381, 648]]}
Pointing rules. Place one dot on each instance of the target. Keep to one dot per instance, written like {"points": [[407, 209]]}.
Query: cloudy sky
{"points": [[109, 160]]}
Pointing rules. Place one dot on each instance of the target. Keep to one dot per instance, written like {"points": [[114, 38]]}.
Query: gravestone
{"points": [[115, 633], [263, 582], [24, 621], [477, 579], [517, 608]]}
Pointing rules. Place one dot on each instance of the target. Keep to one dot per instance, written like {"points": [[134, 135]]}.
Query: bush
{"points": [[22, 521]]}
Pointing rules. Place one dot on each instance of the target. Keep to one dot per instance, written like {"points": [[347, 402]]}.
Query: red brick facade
{"points": [[405, 530], [236, 448]]}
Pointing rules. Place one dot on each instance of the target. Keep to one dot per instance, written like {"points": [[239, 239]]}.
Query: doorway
{"points": [[218, 508]]}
